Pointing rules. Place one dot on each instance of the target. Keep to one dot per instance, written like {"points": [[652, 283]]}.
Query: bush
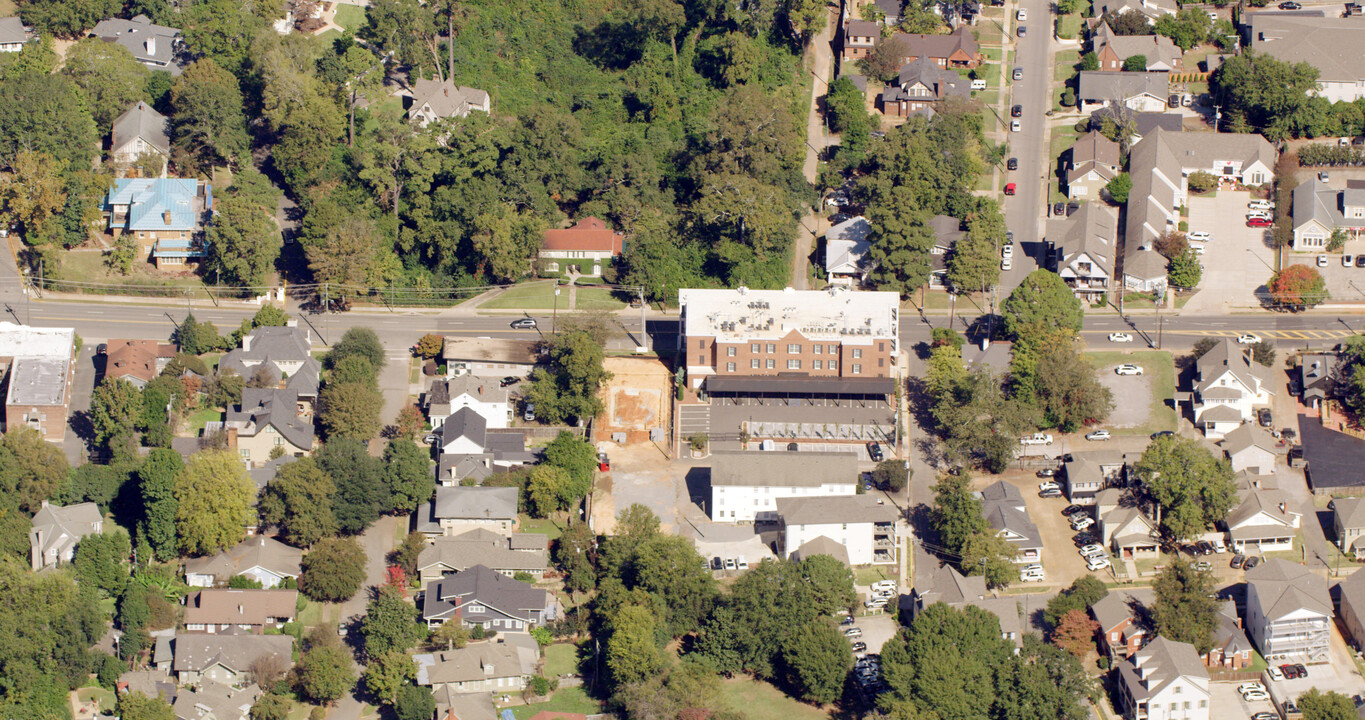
{"points": [[1068, 97], [540, 686]]}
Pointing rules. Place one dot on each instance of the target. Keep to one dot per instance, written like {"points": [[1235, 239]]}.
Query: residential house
{"points": [[1081, 249], [745, 487], [1251, 448], [831, 333], [860, 36], [955, 51], [1003, 506], [487, 667], [152, 683], [1352, 612], [949, 587], [821, 545], [136, 361], [947, 231], [263, 559], [1288, 611], [1329, 43], [453, 469], [481, 597], [1123, 616], [1228, 387], [56, 530], [495, 551], [1144, 271], [269, 421], [1089, 472], [227, 659], [167, 216], [485, 396], [215, 701], [260, 476], [40, 370], [286, 353], [1262, 522], [1113, 50], [1165, 680], [586, 246], [436, 100], [1333, 460], [1348, 518], [489, 357], [152, 45], [228, 611], [465, 432], [1141, 91], [1316, 373], [892, 9], [14, 35], [458, 510], [1136, 125], [1231, 648], [1129, 532], [1150, 9], [1320, 210], [921, 86], [1094, 161], [865, 526], [846, 246], [140, 131]]}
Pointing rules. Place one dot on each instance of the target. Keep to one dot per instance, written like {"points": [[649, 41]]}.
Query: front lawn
{"points": [[561, 659], [761, 701], [350, 17], [1069, 26], [595, 299], [570, 700], [530, 296], [1065, 69], [544, 526]]}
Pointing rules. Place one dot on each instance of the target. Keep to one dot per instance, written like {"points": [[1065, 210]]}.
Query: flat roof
{"points": [[1334, 459], [799, 385], [848, 316], [28, 341], [37, 381]]}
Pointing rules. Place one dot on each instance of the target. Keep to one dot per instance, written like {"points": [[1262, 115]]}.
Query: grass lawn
{"points": [[311, 614], [1159, 367], [350, 17], [544, 526], [1068, 26], [572, 700], [7, 8], [561, 659], [1062, 138], [868, 574], [1198, 88], [761, 701], [992, 53], [941, 300], [105, 698], [535, 296], [195, 422], [299, 711], [1144, 300], [1066, 65], [596, 299]]}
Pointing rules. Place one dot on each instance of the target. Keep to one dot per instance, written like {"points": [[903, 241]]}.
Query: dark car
{"points": [[1070, 510], [848, 620], [1290, 671], [1162, 434], [524, 324], [1238, 561], [509, 380], [1009, 236], [1018, 73], [837, 218], [103, 349], [1022, 30], [1012, 164], [1206, 548], [1289, 5], [1083, 539], [1252, 562], [1059, 209], [1017, 111], [874, 451], [1301, 670], [1264, 418], [1360, 261], [1173, 101], [859, 646], [1047, 472]]}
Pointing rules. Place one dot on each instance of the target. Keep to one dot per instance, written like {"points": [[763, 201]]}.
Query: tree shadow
{"points": [[609, 45], [83, 427]]}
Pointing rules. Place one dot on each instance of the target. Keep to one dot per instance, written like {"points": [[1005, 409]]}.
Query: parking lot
{"points": [[1228, 703], [1061, 563], [1340, 675], [727, 415], [1343, 283], [1237, 259]]}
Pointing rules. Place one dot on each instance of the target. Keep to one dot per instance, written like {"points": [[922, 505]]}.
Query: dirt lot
{"points": [[637, 398]]}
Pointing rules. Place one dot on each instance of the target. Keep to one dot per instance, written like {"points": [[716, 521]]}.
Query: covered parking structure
{"points": [[794, 390]]}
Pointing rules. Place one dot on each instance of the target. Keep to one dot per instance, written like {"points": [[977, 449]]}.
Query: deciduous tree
{"points": [[324, 672], [362, 493], [1193, 488], [1041, 306], [1075, 632], [1331, 705], [1297, 287], [569, 387], [1185, 270], [631, 652], [361, 341], [333, 571], [817, 658], [389, 673], [391, 624], [46, 113], [33, 191], [101, 561], [110, 76], [901, 241], [243, 243], [213, 502], [350, 410], [136, 706], [1068, 392], [1185, 609], [1083, 592], [299, 502], [1118, 188], [208, 124], [575, 553], [409, 475]]}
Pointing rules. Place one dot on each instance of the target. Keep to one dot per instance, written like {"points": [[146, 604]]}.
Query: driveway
{"points": [[1237, 260], [377, 541], [1344, 283], [1061, 563], [394, 385], [1224, 696], [1340, 674], [74, 445]]}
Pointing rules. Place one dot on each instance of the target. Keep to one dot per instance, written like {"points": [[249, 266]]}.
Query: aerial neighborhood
{"points": [[813, 359]]}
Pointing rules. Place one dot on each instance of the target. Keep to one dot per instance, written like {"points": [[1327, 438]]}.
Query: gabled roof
{"points": [[941, 81], [1273, 503], [1120, 606], [821, 545], [1100, 86], [1151, 8], [147, 41], [255, 551], [1091, 232], [272, 407], [196, 652], [949, 586], [1093, 152], [58, 526], [446, 99], [157, 203], [12, 31], [1001, 492], [826, 509], [1158, 664], [1158, 49], [1016, 522], [1229, 637], [1349, 511], [947, 230], [862, 28], [1316, 201], [1201, 150], [1353, 593], [1145, 265], [135, 358], [141, 121], [479, 547], [1315, 372], [215, 701], [477, 503], [496, 593], [1226, 357], [938, 46], [587, 235], [465, 423], [458, 466], [846, 244], [1283, 587], [482, 389], [224, 606], [473, 663], [1248, 436], [783, 469], [274, 347]]}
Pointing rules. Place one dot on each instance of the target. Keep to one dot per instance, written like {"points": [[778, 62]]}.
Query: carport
{"points": [[790, 390]]}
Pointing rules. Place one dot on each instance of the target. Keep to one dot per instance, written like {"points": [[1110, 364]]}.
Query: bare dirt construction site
{"points": [[636, 399]]}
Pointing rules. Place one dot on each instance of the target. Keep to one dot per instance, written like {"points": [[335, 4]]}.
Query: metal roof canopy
{"points": [[795, 384]]}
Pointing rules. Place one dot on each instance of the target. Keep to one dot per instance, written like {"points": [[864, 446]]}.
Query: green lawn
{"points": [[531, 296], [572, 700], [993, 54], [1144, 300], [350, 17], [942, 300], [868, 574], [596, 299], [561, 659], [1068, 26], [1062, 138], [105, 698], [1066, 65], [311, 614], [544, 526], [761, 701], [198, 418], [1159, 367]]}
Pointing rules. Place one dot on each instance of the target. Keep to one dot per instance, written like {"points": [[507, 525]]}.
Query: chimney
{"points": [[241, 610], [166, 217], [151, 46], [1281, 507], [45, 503]]}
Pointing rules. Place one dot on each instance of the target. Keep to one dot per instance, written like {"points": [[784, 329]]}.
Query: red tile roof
{"points": [[590, 235]]}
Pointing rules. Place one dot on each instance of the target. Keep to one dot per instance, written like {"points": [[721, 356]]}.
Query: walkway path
{"points": [[821, 66]]}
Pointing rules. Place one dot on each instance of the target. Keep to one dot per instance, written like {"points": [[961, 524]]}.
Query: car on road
{"points": [[1047, 472], [1360, 261], [1037, 439], [1007, 264], [1097, 563], [1260, 205], [1097, 435], [1082, 522], [1022, 31], [524, 324], [874, 451], [1120, 337], [1009, 237], [1017, 111], [1049, 485], [509, 380], [1264, 417], [1259, 222], [853, 632], [1289, 5], [1018, 73], [1007, 251], [1016, 126], [1322, 261], [1012, 164], [1248, 339], [1022, 15], [1198, 236], [1128, 369], [1237, 562]]}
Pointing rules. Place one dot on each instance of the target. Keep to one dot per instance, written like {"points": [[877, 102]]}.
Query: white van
{"points": [[979, 84]]}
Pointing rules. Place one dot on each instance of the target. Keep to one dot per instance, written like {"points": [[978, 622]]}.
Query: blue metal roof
{"points": [[149, 199]]}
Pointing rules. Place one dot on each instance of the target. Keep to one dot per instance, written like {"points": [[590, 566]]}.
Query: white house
{"points": [[1165, 680], [1129, 532], [865, 527], [1228, 388], [1151, 9], [436, 100], [846, 245], [139, 131], [484, 395], [1320, 210], [56, 530], [263, 559], [1081, 250], [1250, 448], [1263, 522], [1288, 611], [1004, 508], [745, 486], [1140, 91], [13, 34]]}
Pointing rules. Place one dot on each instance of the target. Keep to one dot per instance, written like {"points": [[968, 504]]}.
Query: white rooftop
{"points": [[38, 381], [28, 341], [848, 316]]}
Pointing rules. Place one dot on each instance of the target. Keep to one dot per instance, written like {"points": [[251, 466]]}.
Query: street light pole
{"points": [[554, 319]]}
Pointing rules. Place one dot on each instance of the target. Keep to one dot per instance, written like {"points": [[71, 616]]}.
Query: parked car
{"points": [[1248, 338], [874, 451], [1274, 674], [1290, 672], [875, 604], [1264, 417], [1010, 188], [1022, 15], [1261, 696], [1047, 472], [1347, 260], [1260, 205], [1173, 102], [1203, 566], [884, 585], [430, 438], [529, 414], [1070, 510], [1265, 716], [1237, 562], [1161, 434], [1049, 485], [1360, 261], [1016, 126], [1037, 439], [1081, 539], [1250, 687], [1128, 369], [1324, 176], [1218, 546], [1059, 209], [1097, 563], [839, 217], [1007, 251], [1198, 249], [524, 324], [1007, 264], [848, 620], [1017, 111], [1259, 222], [1322, 259], [741, 563], [1120, 337], [859, 646], [1301, 670], [1012, 164], [1203, 547], [1089, 550], [1252, 562], [1082, 522], [1097, 435], [1018, 73], [1053, 493], [729, 563], [1022, 31], [1198, 236], [853, 632], [509, 381]]}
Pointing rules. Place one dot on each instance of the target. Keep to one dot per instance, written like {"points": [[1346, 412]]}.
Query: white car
{"points": [[1198, 236], [875, 603], [1260, 205], [1322, 261], [1097, 435], [1036, 439], [1097, 563], [1092, 549], [1016, 126], [1081, 522], [1248, 338], [1007, 251], [1256, 696], [1049, 485], [1198, 249], [1218, 545], [1036, 576], [1250, 687], [1120, 337], [1021, 16], [1260, 214], [1128, 369], [1007, 264], [1274, 673], [884, 585]]}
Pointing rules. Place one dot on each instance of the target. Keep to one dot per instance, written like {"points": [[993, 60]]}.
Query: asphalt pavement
{"points": [[1033, 55]]}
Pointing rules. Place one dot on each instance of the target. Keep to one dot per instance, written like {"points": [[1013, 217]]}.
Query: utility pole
{"points": [[554, 319], [644, 332]]}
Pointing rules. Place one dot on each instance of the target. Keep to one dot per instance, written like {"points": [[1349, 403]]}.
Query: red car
{"points": [[1259, 222], [1009, 188]]}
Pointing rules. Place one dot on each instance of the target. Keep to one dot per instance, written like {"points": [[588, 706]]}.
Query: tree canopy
{"points": [[1193, 488]]}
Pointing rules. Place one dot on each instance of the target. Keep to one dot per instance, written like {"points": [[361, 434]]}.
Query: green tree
{"points": [[547, 489], [243, 243], [361, 341], [891, 475], [333, 571], [110, 76], [197, 338], [568, 388], [1069, 394], [414, 703], [222, 30], [213, 502], [991, 556], [350, 410], [901, 241], [48, 625], [114, 409], [33, 192], [31, 469], [1119, 187], [956, 515], [1135, 63], [1185, 270], [631, 652], [299, 502], [831, 583], [136, 706], [362, 493], [1331, 705], [817, 658], [575, 553], [1185, 609], [1193, 488], [1089, 61], [946, 661], [46, 114], [409, 475], [354, 369], [1040, 306], [345, 254], [101, 561], [391, 624], [974, 264], [1263, 353], [324, 673], [1297, 287], [66, 18], [389, 673], [1186, 29], [672, 571], [1201, 181], [1083, 592], [1265, 93], [846, 113], [208, 124], [577, 457], [271, 707]]}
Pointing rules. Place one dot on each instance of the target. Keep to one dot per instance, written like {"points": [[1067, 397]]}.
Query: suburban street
{"points": [[1033, 55]]}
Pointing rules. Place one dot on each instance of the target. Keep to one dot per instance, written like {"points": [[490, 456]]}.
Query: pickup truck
{"points": [[1036, 439]]}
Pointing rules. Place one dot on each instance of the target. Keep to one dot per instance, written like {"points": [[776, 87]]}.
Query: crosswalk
{"points": [[1271, 334]]}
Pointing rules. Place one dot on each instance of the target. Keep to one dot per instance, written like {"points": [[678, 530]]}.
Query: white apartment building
{"points": [[865, 527], [1165, 680], [745, 486], [1289, 611]]}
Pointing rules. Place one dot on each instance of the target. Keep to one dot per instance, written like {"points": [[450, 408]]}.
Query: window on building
{"points": [[816, 364], [475, 608], [279, 441], [833, 364], [772, 348], [755, 348], [245, 453], [729, 367], [857, 353], [754, 364], [857, 369], [772, 364], [701, 360], [793, 364], [730, 352], [881, 362], [793, 349], [818, 348], [701, 344]]}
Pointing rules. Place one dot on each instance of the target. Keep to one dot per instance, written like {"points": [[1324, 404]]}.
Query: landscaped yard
{"points": [[1159, 376], [866, 575], [84, 266], [761, 701], [1062, 138], [561, 659], [105, 698], [195, 422], [544, 526], [571, 700], [1068, 26], [350, 17], [532, 296], [595, 299], [1066, 65]]}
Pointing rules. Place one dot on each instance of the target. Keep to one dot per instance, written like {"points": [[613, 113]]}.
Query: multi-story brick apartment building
{"points": [[832, 333]]}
